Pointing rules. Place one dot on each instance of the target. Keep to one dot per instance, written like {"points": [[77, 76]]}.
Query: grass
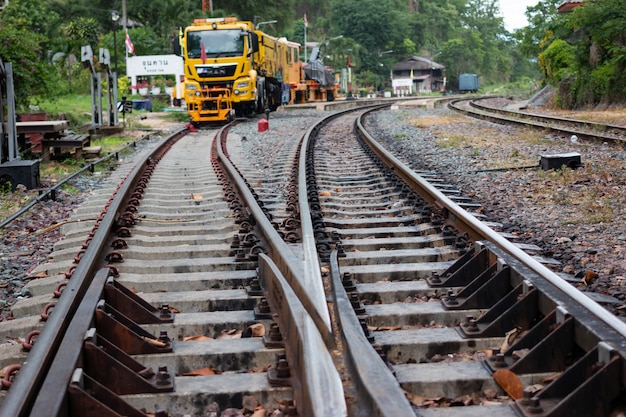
{"points": [[77, 110]]}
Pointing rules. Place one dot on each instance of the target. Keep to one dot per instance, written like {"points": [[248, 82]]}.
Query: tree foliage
{"points": [[23, 42], [583, 53], [464, 35]]}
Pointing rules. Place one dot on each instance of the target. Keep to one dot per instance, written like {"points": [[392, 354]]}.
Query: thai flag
{"points": [[129, 44]]}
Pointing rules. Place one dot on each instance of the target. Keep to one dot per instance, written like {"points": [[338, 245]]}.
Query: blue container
{"points": [[142, 105], [469, 83]]}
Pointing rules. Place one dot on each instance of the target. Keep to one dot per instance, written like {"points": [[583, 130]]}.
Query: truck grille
{"points": [[216, 71]]}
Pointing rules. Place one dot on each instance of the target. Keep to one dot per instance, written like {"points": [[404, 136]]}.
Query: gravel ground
{"points": [[576, 216]]}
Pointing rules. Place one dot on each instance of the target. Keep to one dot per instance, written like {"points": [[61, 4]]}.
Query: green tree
{"points": [[254, 11], [367, 22], [543, 19], [586, 57], [492, 58], [23, 43]]}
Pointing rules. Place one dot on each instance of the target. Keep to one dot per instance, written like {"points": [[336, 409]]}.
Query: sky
{"points": [[513, 12]]}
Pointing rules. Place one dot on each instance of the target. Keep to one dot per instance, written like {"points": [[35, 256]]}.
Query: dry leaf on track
{"points": [[194, 338], [257, 329], [509, 382], [202, 372], [230, 334], [154, 342]]}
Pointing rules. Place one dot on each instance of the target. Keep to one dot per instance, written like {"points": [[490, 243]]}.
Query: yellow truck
{"points": [[232, 69]]}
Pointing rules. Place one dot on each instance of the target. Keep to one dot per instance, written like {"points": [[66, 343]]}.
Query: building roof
{"points": [[568, 6], [416, 63]]}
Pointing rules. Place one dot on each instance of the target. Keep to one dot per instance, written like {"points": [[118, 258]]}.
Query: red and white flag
{"points": [[306, 22], [202, 53], [130, 48]]}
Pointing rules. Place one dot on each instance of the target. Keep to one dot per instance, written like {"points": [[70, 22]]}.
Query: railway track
{"points": [[482, 109], [371, 291], [435, 323]]}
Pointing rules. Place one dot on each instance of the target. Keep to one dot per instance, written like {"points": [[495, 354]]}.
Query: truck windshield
{"points": [[216, 43]]}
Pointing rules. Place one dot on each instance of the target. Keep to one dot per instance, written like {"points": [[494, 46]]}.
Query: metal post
{"points": [[115, 17], [8, 131]]}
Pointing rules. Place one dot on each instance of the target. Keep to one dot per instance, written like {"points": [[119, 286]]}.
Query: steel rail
{"points": [[490, 116], [477, 230], [368, 372], [40, 387], [321, 391], [540, 117]]}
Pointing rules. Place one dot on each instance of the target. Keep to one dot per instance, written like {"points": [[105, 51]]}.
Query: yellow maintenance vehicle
{"points": [[232, 69]]}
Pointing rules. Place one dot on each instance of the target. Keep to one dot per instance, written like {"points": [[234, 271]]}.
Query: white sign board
{"points": [[402, 82], [156, 65]]}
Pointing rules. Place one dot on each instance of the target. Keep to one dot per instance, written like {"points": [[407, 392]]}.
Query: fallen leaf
{"points": [[259, 412], [509, 339], [257, 329], [551, 378], [325, 194], [196, 196], [415, 399], [259, 370], [230, 334], [509, 382], [201, 337], [490, 394], [387, 328], [154, 342], [520, 353], [420, 400], [201, 372], [42, 274], [535, 388], [589, 277]]}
